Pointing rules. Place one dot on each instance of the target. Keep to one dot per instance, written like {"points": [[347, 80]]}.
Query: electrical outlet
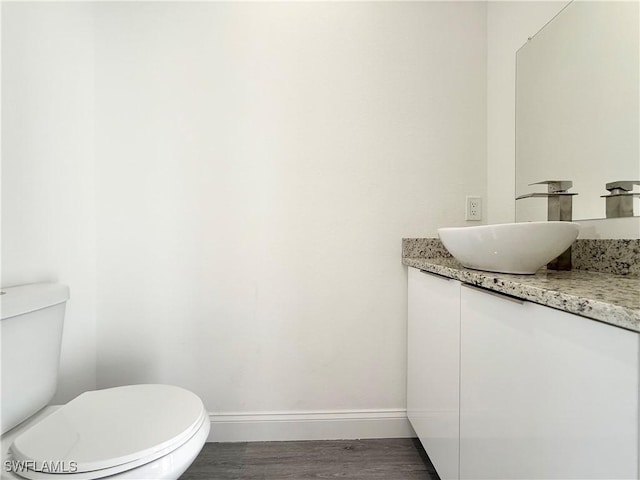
{"points": [[474, 209]]}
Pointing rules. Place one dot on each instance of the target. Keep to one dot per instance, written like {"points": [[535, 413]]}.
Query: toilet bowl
{"points": [[145, 432], [133, 432]]}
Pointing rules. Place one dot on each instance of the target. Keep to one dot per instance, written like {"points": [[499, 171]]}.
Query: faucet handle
{"points": [[621, 186], [555, 186]]}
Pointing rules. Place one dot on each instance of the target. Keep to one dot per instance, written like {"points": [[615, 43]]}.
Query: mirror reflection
{"points": [[577, 110]]}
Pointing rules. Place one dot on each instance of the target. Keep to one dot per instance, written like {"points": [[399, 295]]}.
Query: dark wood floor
{"points": [[388, 459]]}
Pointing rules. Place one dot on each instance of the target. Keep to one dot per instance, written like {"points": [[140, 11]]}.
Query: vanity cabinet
{"points": [[543, 394], [433, 367]]}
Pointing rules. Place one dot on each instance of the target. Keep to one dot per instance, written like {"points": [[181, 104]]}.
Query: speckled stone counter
{"points": [[608, 256], [606, 297]]}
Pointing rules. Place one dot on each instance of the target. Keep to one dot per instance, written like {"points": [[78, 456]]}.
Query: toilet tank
{"points": [[31, 337]]}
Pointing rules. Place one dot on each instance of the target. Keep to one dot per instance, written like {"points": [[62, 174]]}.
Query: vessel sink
{"points": [[509, 247]]}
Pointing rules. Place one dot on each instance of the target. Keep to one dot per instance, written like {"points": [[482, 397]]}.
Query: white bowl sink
{"points": [[509, 247]]}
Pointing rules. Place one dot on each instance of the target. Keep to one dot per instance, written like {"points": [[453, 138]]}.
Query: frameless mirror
{"points": [[577, 106]]}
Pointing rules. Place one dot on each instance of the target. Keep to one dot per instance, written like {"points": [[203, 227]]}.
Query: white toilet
{"points": [[145, 432]]}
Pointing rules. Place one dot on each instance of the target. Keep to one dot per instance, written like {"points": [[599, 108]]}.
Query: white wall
{"points": [[257, 166], [509, 24], [610, 228], [253, 170], [48, 228], [224, 186]]}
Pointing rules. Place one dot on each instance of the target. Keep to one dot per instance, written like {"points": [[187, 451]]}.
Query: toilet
{"points": [[144, 432]]}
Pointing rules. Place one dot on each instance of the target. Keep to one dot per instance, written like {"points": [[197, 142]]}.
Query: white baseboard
{"points": [[336, 425]]}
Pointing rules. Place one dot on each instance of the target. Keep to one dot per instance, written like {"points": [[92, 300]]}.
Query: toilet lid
{"points": [[106, 428]]}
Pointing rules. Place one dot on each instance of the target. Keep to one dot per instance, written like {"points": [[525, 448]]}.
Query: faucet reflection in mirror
{"points": [[559, 208], [619, 202]]}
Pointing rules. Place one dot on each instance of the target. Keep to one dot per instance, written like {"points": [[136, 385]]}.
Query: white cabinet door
{"points": [[433, 367], [544, 394]]}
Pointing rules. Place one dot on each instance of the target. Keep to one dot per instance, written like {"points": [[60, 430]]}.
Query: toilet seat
{"points": [[109, 431]]}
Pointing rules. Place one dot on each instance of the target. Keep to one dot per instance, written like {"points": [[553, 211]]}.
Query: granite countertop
{"points": [[606, 297]]}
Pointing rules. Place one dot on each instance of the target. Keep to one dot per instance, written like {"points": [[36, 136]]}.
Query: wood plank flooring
{"points": [[388, 459]]}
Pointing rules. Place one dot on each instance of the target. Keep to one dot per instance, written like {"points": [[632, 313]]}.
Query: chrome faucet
{"points": [[559, 208], [560, 200], [619, 202]]}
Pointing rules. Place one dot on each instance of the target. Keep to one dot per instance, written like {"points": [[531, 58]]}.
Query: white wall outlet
{"points": [[474, 209]]}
